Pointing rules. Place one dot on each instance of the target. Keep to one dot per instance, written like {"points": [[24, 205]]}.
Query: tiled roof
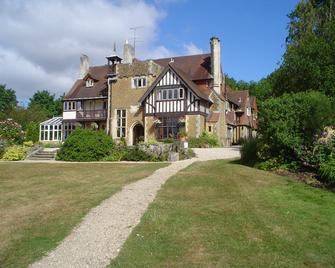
{"points": [[79, 89], [197, 67]]}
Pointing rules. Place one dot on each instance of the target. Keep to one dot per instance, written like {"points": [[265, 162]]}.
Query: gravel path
{"points": [[101, 234]]}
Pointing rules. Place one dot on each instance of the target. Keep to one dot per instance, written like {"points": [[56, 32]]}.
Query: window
{"points": [[170, 94], [68, 128], [121, 123], [69, 105], [139, 82], [89, 83], [209, 128], [249, 111], [168, 128]]}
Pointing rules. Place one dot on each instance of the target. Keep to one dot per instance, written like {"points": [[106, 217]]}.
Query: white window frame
{"points": [[121, 130], [70, 105], [89, 83], [139, 82], [166, 92], [248, 111]]}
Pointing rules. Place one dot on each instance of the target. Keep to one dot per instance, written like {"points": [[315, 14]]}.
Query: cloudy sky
{"points": [[41, 41]]}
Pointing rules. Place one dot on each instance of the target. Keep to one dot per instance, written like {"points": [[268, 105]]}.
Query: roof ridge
{"points": [[184, 56]]}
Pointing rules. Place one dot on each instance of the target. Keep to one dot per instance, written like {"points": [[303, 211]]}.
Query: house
{"points": [[136, 100]]}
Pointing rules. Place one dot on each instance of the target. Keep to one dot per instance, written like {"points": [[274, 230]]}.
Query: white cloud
{"points": [[41, 41], [192, 49]]}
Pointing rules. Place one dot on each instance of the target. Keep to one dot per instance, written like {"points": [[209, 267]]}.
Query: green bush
{"points": [[168, 140], [206, 140], [123, 153], [32, 132], [288, 125], [135, 154], [85, 145], [249, 151], [15, 153], [327, 170], [186, 154]]}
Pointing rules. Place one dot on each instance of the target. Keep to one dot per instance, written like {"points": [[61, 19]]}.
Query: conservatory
{"points": [[51, 130]]}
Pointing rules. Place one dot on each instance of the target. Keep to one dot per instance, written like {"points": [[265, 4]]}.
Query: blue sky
{"points": [[252, 33]]}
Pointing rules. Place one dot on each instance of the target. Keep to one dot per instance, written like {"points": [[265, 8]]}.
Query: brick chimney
{"points": [[84, 65], [216, 64], [128, 53]]}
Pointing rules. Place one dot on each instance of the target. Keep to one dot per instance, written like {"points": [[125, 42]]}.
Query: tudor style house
{"points": [[137, 100]]}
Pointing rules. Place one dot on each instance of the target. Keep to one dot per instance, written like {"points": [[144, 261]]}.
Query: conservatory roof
{"points": [[53, 121]]}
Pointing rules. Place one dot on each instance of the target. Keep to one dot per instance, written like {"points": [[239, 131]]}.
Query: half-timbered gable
{"points": [[173, 93]]}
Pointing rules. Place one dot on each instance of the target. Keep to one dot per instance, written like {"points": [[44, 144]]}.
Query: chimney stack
{"points": [[216, 64], [128, 53], [84, 65]]}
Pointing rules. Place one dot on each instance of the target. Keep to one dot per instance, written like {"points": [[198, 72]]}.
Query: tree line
{"points": [[41, 106]]}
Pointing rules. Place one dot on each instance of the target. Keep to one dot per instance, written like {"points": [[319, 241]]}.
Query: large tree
{"points": [[47, 102], [309, 60], [7, 100]]}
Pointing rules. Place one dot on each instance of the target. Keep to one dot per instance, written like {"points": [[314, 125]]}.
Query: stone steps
{"points": [[43, 155]]}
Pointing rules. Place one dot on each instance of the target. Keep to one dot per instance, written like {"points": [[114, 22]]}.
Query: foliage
{"points": [[51, 144], [289, 124], [32, 132], [7, 100], [124, 153], [249, 151], [28, 143], [186, 154], [168, 140], [206, 140], [85, 145], [327, 170], [25, 116], [15, 153], [150, 141], [309, 60], [182, 133], [46, 102], [11, 131]]}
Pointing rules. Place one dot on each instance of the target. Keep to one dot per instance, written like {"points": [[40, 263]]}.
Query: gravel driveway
{"points": [[101, 234]]}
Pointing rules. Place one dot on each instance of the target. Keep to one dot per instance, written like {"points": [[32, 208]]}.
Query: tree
{"points": [[25, 116], [7, 99], [46, 101], [309, 60]]}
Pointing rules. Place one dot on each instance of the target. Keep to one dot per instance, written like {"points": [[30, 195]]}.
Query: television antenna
{"points": [[135, 40]]}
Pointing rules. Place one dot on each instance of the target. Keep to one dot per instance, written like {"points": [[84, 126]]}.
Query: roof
{"points": [[79, 89], [238, 97], [190, 84], [53, 121], [197, 67]]}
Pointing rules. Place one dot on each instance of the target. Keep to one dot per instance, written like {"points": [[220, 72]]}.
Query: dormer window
{"points": [[139, 82], [89, 83]]}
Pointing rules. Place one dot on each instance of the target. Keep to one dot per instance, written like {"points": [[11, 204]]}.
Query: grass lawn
{"points": [[220, 214], [41, 203]]}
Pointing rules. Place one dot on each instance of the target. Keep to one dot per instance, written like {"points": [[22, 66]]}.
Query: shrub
{"points": [[135, 154], [150, 141], [168, 140], [289, 124], [85, 145], [206, 140], [32, 132], [15, 153], [327, 170], [11, 131], [186, 154], [249, 151], [28, 143]]}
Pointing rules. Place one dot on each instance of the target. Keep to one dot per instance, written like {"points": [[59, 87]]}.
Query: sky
{"points": [[41, 41]]}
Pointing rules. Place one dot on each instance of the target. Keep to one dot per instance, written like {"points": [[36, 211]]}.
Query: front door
{"points": [[138, 134]]}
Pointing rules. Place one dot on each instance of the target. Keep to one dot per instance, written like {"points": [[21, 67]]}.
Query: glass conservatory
{"points": [[51, 130]]}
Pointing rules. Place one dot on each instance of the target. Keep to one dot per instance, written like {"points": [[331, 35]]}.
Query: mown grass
{"points": [[220, 214], [41, 203]]}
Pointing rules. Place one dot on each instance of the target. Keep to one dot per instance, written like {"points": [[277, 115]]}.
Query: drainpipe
{"points": [[109, 108]]}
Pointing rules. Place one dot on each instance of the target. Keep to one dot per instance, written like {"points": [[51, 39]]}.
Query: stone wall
{"points": [[195, 125]]}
